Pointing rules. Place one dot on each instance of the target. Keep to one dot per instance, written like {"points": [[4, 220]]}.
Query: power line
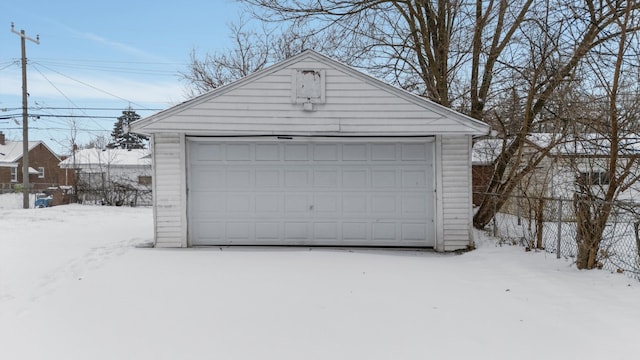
{"points": [[91, 86], [12, 63], [32, 115], [80, 108], [58, 129], [113, 69], [61, 93], [115, 61]]}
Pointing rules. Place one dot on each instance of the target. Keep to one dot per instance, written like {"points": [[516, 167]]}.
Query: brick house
{"points": [[43, 165]]}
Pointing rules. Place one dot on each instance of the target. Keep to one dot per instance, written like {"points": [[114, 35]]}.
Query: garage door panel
{"points": [[413, 232], [207, 152], [268, 203], [267, 178], [268, 231], [238, 152], [383, 152], [327, 231], [296, 178], [383, 204], [414, 179], [384, 232], [355, 231], [326, 178], [310, 193], [354, 178], [209, 177], [326, 203], [354, 152], [208, 202], [239, 179], [238, 202], [354, 204], [296, 152], [384, 178], [239, 230], [207, 232], [296, 231], [325, 152], [414, 205], [414, 152], [267, 152], [296, 204]]}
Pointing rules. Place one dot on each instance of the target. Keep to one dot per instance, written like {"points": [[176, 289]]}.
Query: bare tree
{"points": [[98, 141], [469, 56], [613, 164], [251, 52], [254, 48]]}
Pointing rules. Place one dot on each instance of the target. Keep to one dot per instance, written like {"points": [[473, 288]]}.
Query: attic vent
{"points": [[308, 87]]}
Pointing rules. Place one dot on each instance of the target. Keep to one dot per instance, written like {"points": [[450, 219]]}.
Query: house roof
{"points": [[11, 152], [427, 117], [486, 151], [107, 157]]}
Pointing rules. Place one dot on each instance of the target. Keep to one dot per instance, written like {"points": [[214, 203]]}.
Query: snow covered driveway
{"points": [[76, 284]]}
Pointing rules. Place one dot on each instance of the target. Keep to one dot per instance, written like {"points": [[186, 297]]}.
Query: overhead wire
{"points": [[62, 129], [12, 63], [91, 86], [53, 117], [111, 69], [78, 108], [63, 94]]}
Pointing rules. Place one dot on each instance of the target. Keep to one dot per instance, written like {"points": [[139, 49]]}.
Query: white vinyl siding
{"points": [[456, 192], [353, 105], [169, 191]]}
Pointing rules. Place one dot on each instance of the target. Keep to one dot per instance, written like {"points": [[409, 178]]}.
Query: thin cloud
{"points": [[87, 87], [120, 46]]}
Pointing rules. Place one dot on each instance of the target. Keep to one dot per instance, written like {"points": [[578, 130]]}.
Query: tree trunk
{"points": [[591, 218], [490, 205], [539, 222]]}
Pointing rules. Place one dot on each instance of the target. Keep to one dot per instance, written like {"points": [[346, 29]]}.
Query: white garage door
{"points": [[292, 192]]}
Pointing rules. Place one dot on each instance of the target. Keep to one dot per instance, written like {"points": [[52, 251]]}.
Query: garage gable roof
{"points": [[309, 94]]}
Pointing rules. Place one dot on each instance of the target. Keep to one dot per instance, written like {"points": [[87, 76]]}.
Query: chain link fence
{"points": [[550, 224], [116, 193], [131, 198]]}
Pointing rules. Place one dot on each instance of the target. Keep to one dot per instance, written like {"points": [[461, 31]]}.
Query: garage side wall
{"points": [[169, 190], [456, 192]]}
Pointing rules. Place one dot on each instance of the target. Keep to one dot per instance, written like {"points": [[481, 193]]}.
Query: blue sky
{"points": [[106, 54]]}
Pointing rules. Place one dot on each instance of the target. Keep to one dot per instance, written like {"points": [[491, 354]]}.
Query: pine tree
{"points": [[121, 139]]}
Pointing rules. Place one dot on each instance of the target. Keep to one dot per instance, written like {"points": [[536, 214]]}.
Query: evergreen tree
{"points": [[120, 138]]}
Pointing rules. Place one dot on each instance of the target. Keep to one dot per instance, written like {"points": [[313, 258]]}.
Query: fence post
{"points": [[559, 228]]}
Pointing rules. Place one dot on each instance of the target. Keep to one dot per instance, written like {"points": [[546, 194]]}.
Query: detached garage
{"points": [[311, 152]]}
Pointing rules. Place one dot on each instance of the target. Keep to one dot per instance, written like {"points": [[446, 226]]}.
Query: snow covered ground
{"points": [[76, 282]]}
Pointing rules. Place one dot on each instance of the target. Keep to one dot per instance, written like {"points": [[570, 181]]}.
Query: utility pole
{"points": [[25, 116]]}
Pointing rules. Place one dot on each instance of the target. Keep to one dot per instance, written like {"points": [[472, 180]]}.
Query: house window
{"points": [[14, 174], [144, 180], [594, 178], [40, 172]]}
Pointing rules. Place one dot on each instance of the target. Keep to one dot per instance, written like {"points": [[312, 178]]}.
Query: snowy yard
{"points": [[76, 282]]}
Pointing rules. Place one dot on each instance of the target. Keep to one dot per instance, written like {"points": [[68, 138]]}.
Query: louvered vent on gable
{"points": [[308, 87]]}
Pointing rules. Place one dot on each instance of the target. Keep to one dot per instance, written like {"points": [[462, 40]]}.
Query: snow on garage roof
{"points": [[110, 157]]}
